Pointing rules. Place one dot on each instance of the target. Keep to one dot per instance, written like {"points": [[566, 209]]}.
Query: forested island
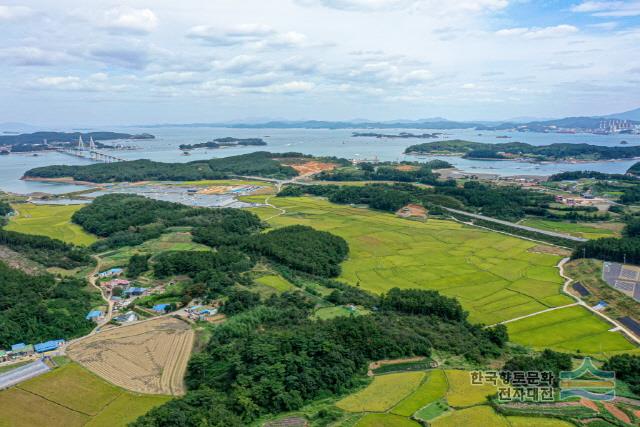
{"points": [[523, 151], [401, 135], [224, 142], [263, 164], [40, 141]]}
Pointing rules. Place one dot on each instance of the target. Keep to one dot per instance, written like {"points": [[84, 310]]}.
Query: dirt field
{"points": [[406, 168], [412, 211], [148, 357], [312, 168]]}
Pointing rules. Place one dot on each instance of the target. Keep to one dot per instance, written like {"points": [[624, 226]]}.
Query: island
{"points": [[522, 151], [46, 140], [224, 142], [401, 135]]}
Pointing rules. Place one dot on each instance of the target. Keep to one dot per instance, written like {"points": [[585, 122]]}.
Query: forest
{"points": [[558, 151], [224, 142], [508, 203], [387, 171], [260, 163], [39, 308], [272, 357], [44, 250]]}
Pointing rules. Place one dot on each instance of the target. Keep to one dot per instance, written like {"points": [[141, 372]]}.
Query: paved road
{"points": [[23, 373], [522, 227]]}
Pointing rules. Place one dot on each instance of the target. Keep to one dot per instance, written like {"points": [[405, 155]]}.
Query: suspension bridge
{"points": [[89, 151]]}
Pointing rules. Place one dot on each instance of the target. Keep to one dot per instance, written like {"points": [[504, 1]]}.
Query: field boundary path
{"points": [[23, 373], [514, 225], [536, 313]]}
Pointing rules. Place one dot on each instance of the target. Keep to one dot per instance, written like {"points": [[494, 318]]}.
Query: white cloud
{"points": [[173, 78], [539, 32], [126, 57], [132, 21], [433, 6], [33, 56], [609, 8], [8, 13], [232, 36], [97, 82]]}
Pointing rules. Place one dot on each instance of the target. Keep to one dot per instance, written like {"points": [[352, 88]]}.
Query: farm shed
{"points": [[48, 346], [134, 291], [160, 308], [21, 348], [94, 315]]}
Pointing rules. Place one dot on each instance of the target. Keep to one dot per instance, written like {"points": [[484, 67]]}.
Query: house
{"points": [[21, 349], [160, 308], [116, 282], [600, 306], [129, 316], [111, 273], [48, 346], [134, 291], [95, 315]]}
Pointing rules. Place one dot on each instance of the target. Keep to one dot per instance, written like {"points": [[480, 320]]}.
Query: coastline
{"points": [[521, 159]]}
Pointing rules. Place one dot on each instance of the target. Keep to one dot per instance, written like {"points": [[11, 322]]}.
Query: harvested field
{"points": [[147, 357], [312, 168]]}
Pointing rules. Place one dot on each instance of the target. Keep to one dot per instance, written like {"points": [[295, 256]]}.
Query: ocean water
{"points": [[322, 142]]}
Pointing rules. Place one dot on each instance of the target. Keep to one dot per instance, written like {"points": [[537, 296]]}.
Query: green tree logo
{"points": [[588, 381]]}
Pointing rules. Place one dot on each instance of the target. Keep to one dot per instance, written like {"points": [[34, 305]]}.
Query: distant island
{"points": [[522, 151], [401, 135], [42, 141], [224, 142]]}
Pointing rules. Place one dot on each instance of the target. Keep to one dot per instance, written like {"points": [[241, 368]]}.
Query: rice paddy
{"points": [[495, 277], [385, 420], [572, 329], [431, 390], [50, 220], [462, 393], [383, 393], [71, 396], [587, 231]]}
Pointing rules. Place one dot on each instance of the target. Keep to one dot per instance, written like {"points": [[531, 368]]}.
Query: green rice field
{"points": [[431, 390], [71, 396], [495, 277], [275, 282], [385, 420], [49, 220], [571, 329], [575, 229], [383, 393]]}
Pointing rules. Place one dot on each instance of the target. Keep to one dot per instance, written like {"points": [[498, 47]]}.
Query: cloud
{"points": [[170, 78], [135, 58], [130, 21], [9, 13], [98, 82], [609, 8], [240, 34], [32, 56], [539, 32], [434, 6]]}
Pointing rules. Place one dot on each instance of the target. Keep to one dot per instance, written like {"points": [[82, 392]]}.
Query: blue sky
{"points": [[73, 63]]}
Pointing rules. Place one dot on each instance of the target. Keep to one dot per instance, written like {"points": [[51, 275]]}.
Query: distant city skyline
{"points": [[72, 63]]}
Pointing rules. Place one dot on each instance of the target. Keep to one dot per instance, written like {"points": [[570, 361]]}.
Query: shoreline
{"points": [[522, 160]]}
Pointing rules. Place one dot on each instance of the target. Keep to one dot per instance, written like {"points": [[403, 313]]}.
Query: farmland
{"points": [[570, 329], [587, 231], [495, 277], [384, 392], [148, 357], [71, 396], [50, 220], [432, 389]]}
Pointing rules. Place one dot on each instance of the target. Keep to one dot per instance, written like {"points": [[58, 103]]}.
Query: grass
{"points": [[383, 393], [495, 277], [431, 390], [50, 220], [385, 420], [432, 410], [571, 329], [276, 282], [587, 231], [71, 396], [537, 422], [462, 393], [326, 313], [478, 416]]}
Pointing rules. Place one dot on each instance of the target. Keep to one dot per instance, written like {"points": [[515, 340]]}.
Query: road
{"points": [[521, 227]]}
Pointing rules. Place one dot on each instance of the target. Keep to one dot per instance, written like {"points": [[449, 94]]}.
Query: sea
{"points": [[320, 142]]}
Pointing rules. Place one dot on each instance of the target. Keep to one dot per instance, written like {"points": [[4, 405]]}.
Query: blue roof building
{"points": [[134, 291], [48, 346], [160, 308], [18, 347], [94, 314], [112, 272]]}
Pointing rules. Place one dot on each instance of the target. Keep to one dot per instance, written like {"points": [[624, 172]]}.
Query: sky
{"points": [[104, 62]]}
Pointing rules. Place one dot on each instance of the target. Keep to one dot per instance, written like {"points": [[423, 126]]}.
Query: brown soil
{"points": [[412, 211], [312, 168], [67, 180], [589, 404], [552, 250], [15, 260], [146, 357], [406, 168], [616, 412]]}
